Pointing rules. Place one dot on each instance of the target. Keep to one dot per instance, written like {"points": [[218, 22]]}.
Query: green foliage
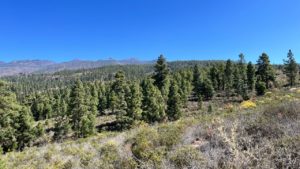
{"points": [[2, 164], [102, 98], [117, 98], [185, 157], [82, 120], [291, 68], [228, 80], [210, 108], [265, 72], [184, 81], [206, 89], [134, 110], [250, 76], [174, 103], [170, 135], [161, 75], [110, 157], [200, 103], [153, 103], [197, 80], [145, 146], [24, 129], [41, 107], [260, 88], [16, 122], [62, 127]]}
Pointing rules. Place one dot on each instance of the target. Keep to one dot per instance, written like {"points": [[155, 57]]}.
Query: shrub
{"points": [[109, 156], [229, 107], [248, 104], [186, 157], [2, 164], [260, 88], [170, 135], [268, 94], [210, 109], [145, 146]]}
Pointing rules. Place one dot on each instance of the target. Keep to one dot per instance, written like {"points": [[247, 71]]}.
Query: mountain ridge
{"points": [[47, 66]]}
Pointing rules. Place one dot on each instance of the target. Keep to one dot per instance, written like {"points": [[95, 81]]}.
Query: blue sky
{"points": [[62, 30]]}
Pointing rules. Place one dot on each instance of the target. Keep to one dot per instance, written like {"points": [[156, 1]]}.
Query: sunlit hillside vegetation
{"points": [[188, 114]]}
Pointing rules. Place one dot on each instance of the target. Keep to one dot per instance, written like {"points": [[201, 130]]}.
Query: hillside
{"points": [[43, 66], [43, 81], [183, 114], [260, 134]]}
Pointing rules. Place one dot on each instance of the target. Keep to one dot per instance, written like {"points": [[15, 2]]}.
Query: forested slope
{"points": [[168, 115]]}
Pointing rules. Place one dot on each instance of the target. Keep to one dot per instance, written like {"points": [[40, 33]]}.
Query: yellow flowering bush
{"points": [[248, 104]]}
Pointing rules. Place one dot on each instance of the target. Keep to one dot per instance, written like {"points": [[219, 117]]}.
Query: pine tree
{"points": [[134, 103], [206, 89], [174, 103], [221, 76], [200, 103], [41, 107], [291, 68], [240, 82], [79, 110], [197, 81], [117, 99], [250, 76], [161, 75], [185, 86], [16, 121], [62, 125], [260, 88], [153, 103], [265, 72], [24, 131], [102, 98], [213, 74], [228, 80]]}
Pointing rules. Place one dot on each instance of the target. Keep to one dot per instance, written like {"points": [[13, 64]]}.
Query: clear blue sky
{"points": [[62, 30]]}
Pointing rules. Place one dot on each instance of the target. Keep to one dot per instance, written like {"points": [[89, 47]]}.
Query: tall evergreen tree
{"points": [[153, 103], [206, 89], [265, 72], [240, 78], [25, 131], [117, 99], [102, 98], [79, 110], [161, 75], [134, 110], [134, 102], [213, 73], [228, 77], [197, 81], [174, 103], [291, 68], [16, 122], [250, 76]]}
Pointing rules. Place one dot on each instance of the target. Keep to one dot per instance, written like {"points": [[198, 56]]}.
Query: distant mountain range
{"points": [[45, 66]]}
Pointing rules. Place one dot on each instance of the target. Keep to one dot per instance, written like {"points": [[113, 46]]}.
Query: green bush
{"points": [[186, 157], [110, 157], [146, 147], [260, 88], [170, 135]]}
